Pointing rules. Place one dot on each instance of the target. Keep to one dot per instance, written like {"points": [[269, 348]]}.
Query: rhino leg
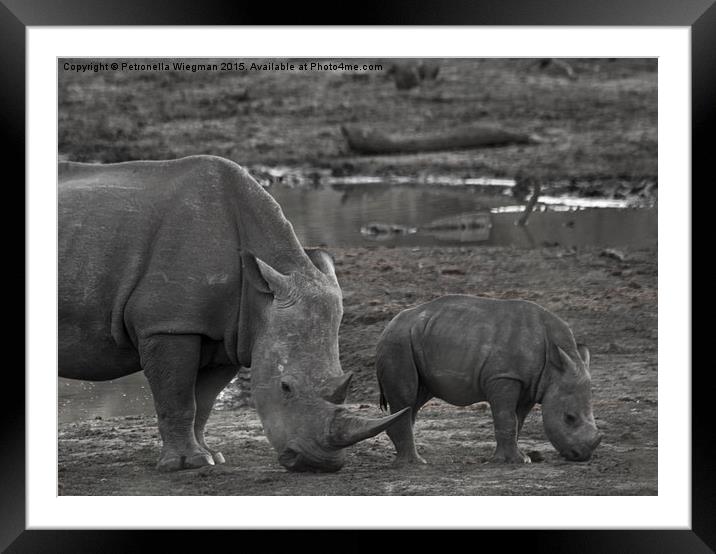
{"points": [[400, 386], [209, 383], [504, 395], [522, 411], [170, 363]]}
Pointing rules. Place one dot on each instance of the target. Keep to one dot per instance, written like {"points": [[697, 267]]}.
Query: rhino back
{"points": [[153, 247], [462, 342]]}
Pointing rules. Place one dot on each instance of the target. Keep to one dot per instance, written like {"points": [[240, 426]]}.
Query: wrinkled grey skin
{"points": [[187, 270], [510, 353]]}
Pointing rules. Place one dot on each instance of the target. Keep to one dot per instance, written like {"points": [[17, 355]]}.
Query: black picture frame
{"points": [[17, 15]]}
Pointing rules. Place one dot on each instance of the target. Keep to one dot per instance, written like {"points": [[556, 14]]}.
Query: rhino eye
{"points": [[286, 389], [570, 419]]}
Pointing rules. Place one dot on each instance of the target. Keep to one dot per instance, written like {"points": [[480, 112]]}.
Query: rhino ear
{"points": [[262, 276], [584, 354], [336, 389], [322, 260], [567, 362]]}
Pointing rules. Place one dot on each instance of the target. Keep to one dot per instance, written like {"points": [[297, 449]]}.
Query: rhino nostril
{"points": [[288, 458]]}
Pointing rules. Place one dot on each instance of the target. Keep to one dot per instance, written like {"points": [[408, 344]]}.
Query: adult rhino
{"points": [[187, 269], [511, 353]]}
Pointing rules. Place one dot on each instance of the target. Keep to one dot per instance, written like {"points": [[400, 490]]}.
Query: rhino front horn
{"points": [[347, 429]]}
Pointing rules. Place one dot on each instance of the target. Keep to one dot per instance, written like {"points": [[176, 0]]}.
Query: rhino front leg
{"points": [[209, 383], [522, 411], [170, 363], [504, 396]]}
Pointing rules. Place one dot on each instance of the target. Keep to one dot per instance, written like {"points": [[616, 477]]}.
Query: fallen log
{"points": [[368, 141]]}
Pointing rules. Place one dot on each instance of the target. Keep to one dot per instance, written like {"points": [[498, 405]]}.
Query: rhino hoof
{"points": [[200, 459], [416, 460], [517, 458], [176, 463], [218, 458]]}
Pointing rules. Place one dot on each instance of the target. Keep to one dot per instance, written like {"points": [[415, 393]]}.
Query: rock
{"points": [[383, 230], [615, 348], [452, 271], [428, 69], [405, 75], [240, 95], [373, 317], [558, 67], [408, 74], [612, 253]]}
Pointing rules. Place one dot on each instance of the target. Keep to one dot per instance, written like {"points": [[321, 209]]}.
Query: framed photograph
{"points": [[467, 200]]}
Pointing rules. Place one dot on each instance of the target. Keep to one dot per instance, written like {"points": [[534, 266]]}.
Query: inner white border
{"points": [[670, 509]]}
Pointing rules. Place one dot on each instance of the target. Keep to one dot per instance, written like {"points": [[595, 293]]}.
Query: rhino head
{"points": [[297, 382], [567, 407]]}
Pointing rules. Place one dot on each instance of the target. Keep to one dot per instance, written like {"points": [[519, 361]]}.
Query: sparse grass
{"points": [[603, 124]]}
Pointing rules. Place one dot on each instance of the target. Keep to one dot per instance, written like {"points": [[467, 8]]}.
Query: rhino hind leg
{"points": [[209, 383], [170, 363], [508, 416], [400, 387], [402, 433]]}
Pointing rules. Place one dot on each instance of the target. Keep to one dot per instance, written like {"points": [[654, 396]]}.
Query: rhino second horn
{"points": [[347, 429], [337, 389]]}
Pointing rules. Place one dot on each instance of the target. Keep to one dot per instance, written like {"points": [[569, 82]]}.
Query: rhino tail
{"points": [[382, 401]]}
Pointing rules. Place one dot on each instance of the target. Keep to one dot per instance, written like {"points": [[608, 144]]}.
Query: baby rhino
{"points": [[510, 353]]}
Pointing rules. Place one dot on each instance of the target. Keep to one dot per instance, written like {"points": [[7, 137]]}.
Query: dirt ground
{"points": [[610, 303]]}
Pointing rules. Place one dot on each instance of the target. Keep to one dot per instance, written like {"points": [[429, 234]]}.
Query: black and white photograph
{"points": [[391, 269], [352, 276]]}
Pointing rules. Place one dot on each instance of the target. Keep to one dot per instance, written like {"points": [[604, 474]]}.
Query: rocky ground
{"points": [[609, 299]]}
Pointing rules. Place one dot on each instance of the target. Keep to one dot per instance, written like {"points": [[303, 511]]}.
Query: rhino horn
{"points": [[347, 429], [336, 389]]}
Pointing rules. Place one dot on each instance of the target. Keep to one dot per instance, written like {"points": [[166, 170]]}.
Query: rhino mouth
{"points": [[302, 458], [573, 455], [583, 454]]}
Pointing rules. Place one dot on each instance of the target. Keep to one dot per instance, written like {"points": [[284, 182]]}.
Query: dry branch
{"points": [[530, 205]]}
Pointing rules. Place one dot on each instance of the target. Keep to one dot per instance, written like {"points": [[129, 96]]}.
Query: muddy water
{"points": [[81, 400], [422, 215], [406, 216]]}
